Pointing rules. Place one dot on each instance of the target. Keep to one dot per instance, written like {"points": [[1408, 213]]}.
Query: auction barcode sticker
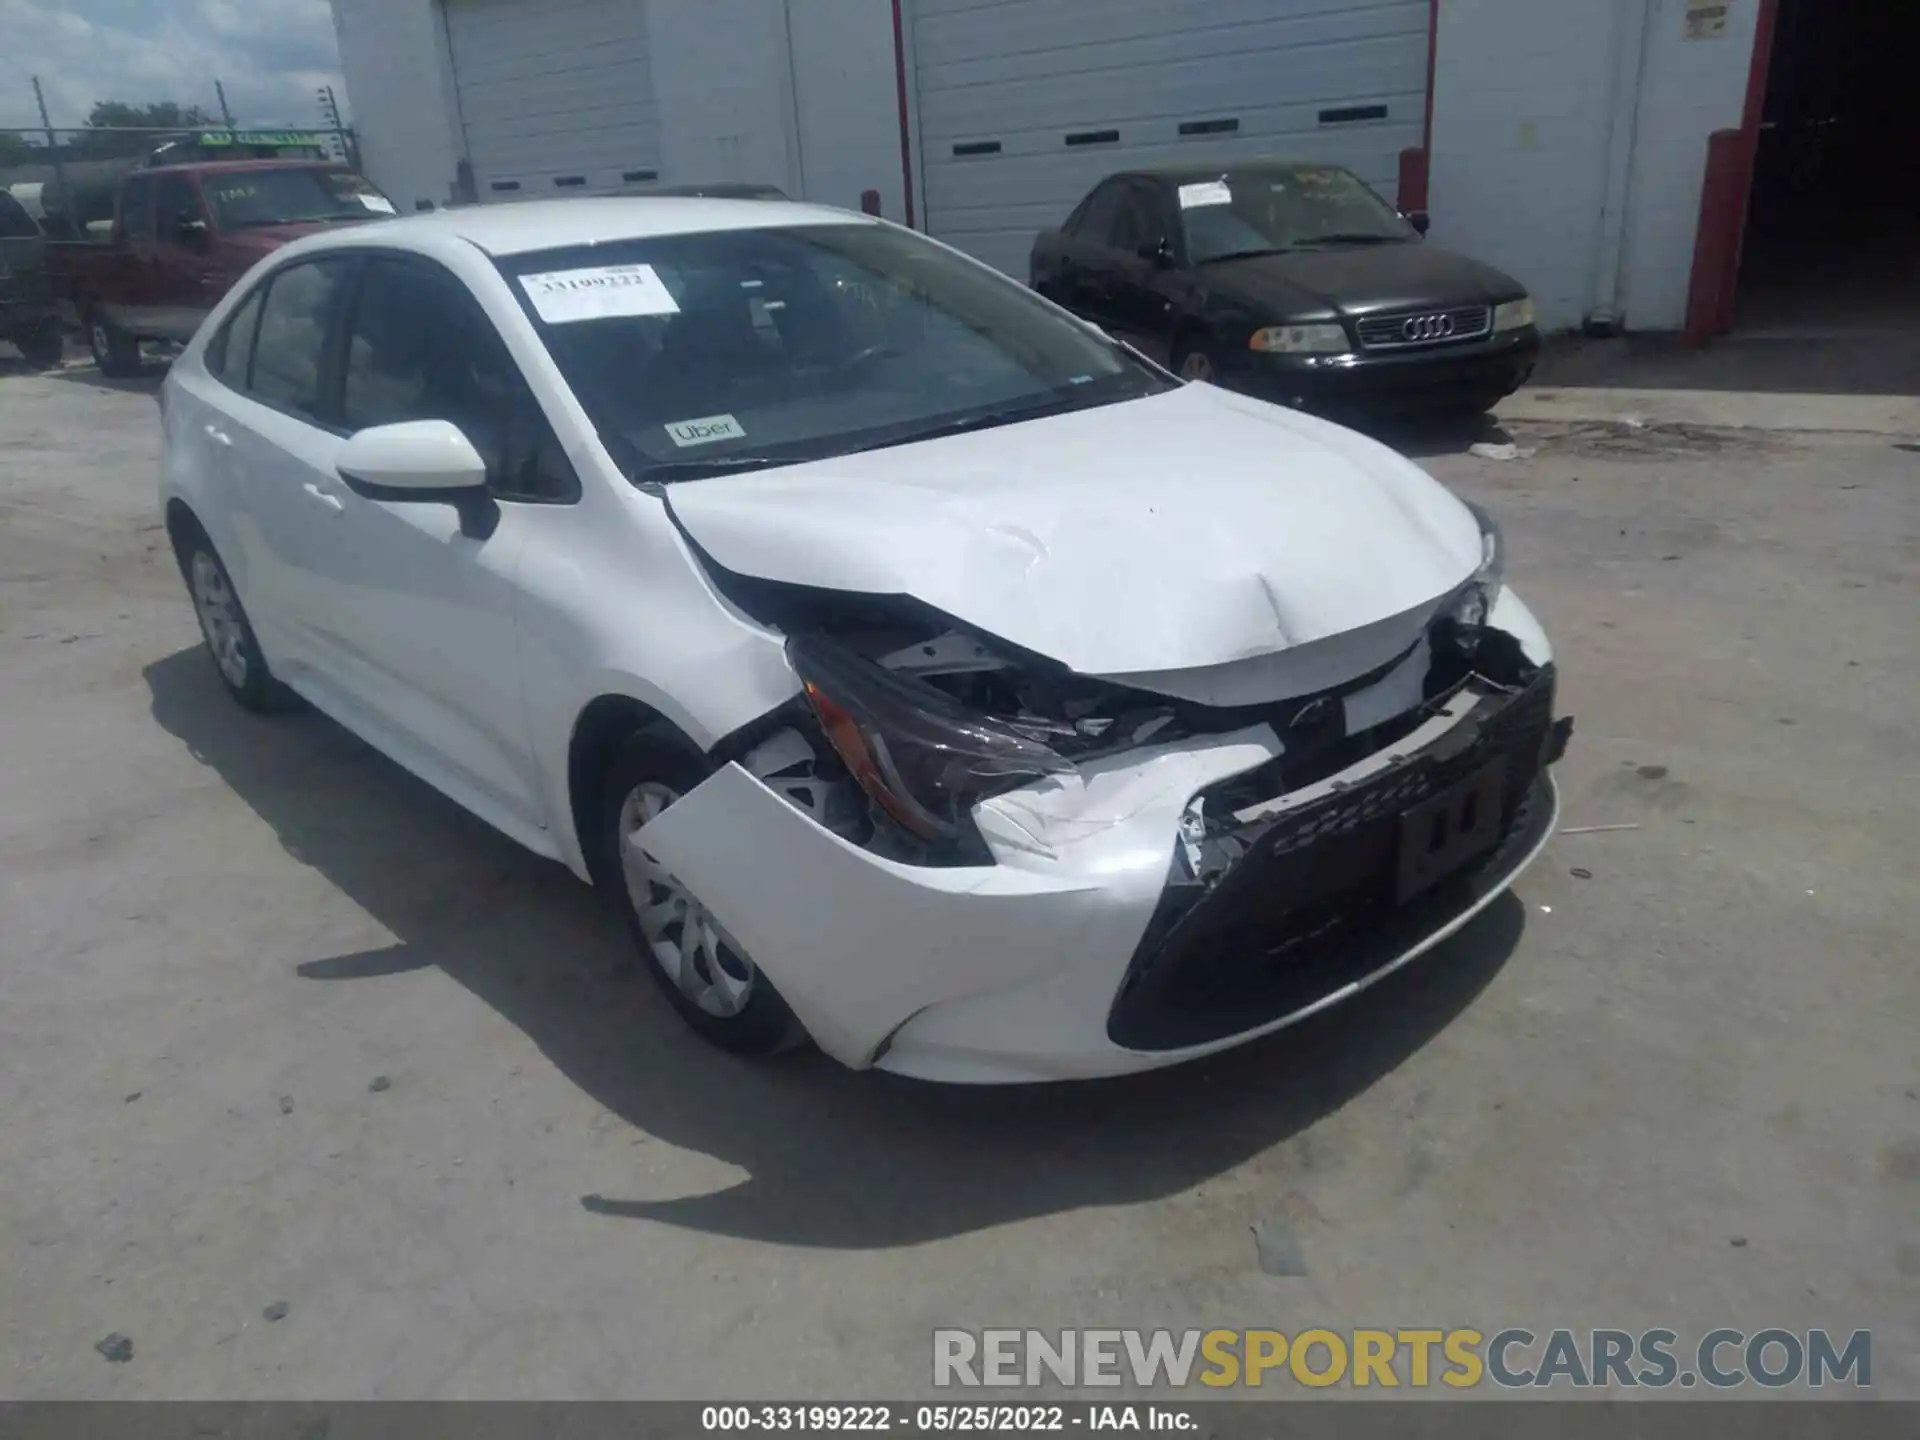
{"points": [[1207, 192], [598, 293]]}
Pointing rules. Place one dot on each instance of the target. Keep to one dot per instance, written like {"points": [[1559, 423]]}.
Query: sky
{"points": [[272, 55]]}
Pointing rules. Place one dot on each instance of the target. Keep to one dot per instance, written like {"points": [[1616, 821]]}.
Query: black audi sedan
{"points": [[1296, 283]]}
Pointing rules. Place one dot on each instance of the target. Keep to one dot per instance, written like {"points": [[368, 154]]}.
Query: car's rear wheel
{"points": [[704, 972], [115, 351], [43, 347], [237, 658]]}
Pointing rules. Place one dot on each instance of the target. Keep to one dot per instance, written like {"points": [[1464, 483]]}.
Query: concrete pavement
{"points": [[1674, 1081]]}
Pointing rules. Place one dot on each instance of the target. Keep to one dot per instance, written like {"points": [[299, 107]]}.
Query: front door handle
{"points": [[218, 436], [325, 497]]}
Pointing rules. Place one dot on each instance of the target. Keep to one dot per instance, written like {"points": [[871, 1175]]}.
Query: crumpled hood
{"points": [[1193, 528]]}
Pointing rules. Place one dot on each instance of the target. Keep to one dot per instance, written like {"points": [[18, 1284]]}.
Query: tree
{"points": [[108, 116], [14, 150]]}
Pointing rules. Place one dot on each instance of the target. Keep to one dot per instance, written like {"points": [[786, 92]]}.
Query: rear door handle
{"points": [[325, 497], [218, 436]]}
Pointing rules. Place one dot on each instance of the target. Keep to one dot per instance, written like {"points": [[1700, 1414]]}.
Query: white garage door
{"points": [[556, 96], [1025, 104]]}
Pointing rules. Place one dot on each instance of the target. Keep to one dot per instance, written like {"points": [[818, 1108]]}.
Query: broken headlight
{"points": [[924, 758], [1468, 610]]}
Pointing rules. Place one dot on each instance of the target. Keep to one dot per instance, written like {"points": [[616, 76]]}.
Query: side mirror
{"points": [[1157, 253], [421, 462], [191, 230], [1420, 221]]}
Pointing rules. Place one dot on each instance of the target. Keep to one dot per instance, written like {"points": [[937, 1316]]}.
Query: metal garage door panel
{"points": [[552, 89], [1023, 75]]}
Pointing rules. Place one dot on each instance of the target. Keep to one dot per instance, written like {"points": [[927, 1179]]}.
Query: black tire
{"points": [[44, 347], [1193, 352], [658, 755], [236, 655], [115, 351]]}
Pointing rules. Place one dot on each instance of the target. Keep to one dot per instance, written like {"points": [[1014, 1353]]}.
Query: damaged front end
{"points": [[1283, 899], [909, 720], [1253, 863]]}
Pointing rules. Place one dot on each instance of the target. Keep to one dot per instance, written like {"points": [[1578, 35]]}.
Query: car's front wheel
{"points": [[237, 658], [704, 972]]}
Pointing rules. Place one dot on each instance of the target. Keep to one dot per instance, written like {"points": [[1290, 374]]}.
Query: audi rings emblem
{"points": [[1427, 327]]}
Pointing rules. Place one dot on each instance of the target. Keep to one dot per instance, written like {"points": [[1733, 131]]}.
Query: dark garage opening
{"points": [[1832, 245]]}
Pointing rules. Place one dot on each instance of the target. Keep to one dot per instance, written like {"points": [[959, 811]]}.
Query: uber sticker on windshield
{"points": [[705, 431], [378, 203], [1207, 192], [598, 293]]}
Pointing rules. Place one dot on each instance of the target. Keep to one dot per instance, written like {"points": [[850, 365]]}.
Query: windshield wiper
{"points": [[1354, 237], [1011, 415], [1245, 254], [665, 472]]}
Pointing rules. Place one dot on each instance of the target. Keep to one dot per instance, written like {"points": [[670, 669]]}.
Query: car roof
{"points": [[1185, 171], [520, 227]]}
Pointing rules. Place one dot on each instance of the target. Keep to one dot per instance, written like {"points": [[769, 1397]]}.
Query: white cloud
{"points": [[272, 56]]}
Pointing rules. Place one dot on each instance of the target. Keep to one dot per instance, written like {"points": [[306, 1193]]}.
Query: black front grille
{"points": [[1405, 329], [1309, 908]]}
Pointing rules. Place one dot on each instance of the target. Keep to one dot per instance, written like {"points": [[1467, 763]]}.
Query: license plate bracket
{"points": [[1445, 831]]}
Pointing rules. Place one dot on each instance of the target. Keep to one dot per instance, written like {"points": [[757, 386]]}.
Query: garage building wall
{"points": [[1022, 106], [398, 94], [1691, 88], [1536, 100], [795, 93], [847, 97]]}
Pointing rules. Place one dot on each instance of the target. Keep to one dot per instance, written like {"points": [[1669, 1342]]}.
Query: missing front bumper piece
{"points": [[1288, 907]]}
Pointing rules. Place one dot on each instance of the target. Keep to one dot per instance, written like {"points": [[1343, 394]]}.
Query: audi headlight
{"points": [[924, 758], [1470, 607], [1300, 340], [1513, 315]]}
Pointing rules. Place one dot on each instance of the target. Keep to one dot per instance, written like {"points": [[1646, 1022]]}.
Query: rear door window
{"points": [[1132, 219], [1095, 221], [289, 356], [231, 350]]}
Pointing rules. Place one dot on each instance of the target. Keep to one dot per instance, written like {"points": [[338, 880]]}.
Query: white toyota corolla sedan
{"points": [[923, 672]]}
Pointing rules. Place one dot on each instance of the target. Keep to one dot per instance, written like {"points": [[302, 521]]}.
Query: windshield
{"points": [[700, 354], [243, 198], [1260, 211]]}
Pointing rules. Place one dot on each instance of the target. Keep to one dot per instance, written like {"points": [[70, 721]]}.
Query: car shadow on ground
{"points": [[832, 1157], [1421, 436], [146, 382]]}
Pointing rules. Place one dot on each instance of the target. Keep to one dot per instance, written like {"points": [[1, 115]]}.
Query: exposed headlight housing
{"points": [[1513, 315], [923, 758], [1469, 609], [1300, 340]]}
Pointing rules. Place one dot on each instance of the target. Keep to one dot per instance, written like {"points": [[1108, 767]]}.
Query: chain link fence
{"points": [[65, 176]]}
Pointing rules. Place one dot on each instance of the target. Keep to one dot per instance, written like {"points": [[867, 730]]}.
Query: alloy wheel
{"points": [[220, 619], [703, 961]]}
